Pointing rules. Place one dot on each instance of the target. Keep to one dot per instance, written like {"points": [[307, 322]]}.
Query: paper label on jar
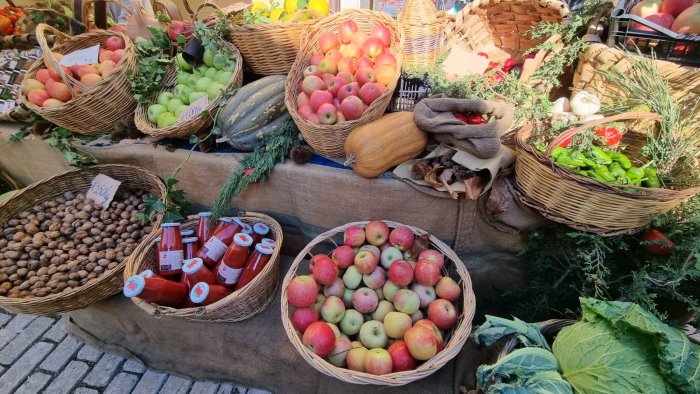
{"points": [[228, 275], [171, 260], [215, 248]]}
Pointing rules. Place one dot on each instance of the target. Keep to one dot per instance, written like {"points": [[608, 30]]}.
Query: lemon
{"points": [[291, 5], [275, 15], [320, 6], [258, 7]]}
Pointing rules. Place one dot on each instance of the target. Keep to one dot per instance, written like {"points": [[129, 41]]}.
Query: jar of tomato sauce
{"points": [[203, 228], [205, 293], [246, 227], [194, 271], [233, 262], [156, 290], [260, 230], [191, 247], [170, 250], [255, 264], [187, 233], [219, 241], [269, 242], [149, 274]]}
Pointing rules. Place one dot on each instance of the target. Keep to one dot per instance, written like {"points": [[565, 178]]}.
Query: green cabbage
{"points": [[526, 370]]}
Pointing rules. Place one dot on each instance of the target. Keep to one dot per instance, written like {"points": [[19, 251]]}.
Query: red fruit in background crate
{"points": [[657, 243]]}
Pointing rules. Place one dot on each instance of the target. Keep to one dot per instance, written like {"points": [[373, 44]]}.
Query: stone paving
{"points": [[36, 355]]}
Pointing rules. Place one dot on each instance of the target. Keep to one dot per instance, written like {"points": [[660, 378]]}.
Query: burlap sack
{"points": [[436, 115]]}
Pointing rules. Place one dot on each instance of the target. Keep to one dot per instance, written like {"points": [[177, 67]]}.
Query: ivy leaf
{"points": [[194, 139], [181, 39], [204, 114], [172, 216], [170, 182], [142, 217], [216, 130], [19, 136]]}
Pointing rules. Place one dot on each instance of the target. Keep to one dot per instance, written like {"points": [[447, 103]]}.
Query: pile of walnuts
{"points": [[66, 242]]}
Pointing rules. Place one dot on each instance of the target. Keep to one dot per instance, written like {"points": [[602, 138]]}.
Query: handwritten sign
{"points": [[103, 189], [194, 109], [81, 56], [461, 62]]}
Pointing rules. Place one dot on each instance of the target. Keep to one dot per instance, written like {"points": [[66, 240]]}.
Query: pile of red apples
{"points": [[368, 308], [352, 71]]}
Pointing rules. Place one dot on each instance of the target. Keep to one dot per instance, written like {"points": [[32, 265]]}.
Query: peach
{"points": [[38, 96]]}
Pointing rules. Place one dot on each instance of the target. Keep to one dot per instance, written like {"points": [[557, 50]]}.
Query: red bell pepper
{"points": [[475, 119], [461, 117], [611, 134], [657, 243]]}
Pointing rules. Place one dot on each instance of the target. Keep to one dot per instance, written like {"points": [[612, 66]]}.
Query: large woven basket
{"points": [[328, 140], [584, 203], [454, 339], [78, 181], [98, 109], [240, 305], [424, 33]]}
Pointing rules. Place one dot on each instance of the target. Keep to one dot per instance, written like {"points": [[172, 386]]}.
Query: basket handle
{"points": [[301, 13], [41, 31], [169, 8], [202, 6], [87, 3], [624, 116]]}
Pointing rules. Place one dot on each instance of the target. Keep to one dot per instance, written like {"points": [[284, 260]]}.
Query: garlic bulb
{"points": [[584, 103], [561, 105], [564, 117]]}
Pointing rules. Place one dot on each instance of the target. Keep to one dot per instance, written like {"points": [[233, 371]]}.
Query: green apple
{"points": [[154, 111], [183, 78], [339, 352], [193, 78], [352, 277], [183, 93], [166, 119], [182, 63], [195, 95], [203, 84], [396, 324], [223, 77], [208, 57], [179, 109], [202, 69], [352, 321], [333, 309], [219, 61], [174, 104], [383, 308], [165, 97], [230, 66], [372, 334], [211, 73], [215, 90]]}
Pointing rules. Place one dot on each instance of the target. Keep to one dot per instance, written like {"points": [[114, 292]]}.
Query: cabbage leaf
{"points": [[496, 328], [526, 370]]}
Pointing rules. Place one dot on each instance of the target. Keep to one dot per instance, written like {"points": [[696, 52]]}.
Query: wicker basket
{"points": [[131, 177], [98, 109], [424, 31], [454, 339], [328, 140], [583, 203], [240, 305]]}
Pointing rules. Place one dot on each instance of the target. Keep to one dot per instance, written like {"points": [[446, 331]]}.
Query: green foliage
{"points": [[65, 141], [526, 370], [19, 135], [152, 60]]}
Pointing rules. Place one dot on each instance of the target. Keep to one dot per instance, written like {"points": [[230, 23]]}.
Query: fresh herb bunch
{"points": [[152, 60], [564, 265], [65, 141]]}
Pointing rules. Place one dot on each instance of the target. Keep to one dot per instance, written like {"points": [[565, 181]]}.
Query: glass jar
{"points": [[149, 274], [219, 241], [191, 247], [187, 233], [255, 264], [246, 229], [194, 271], [156, 290], [260, 230], [170, 250], [205, 294], [269, 242], [203, 228], [234, 260]]}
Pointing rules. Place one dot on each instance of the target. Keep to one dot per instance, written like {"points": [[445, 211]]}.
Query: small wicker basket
{"points": [[423, 28], [454, 339], [77, 181], [328, 140], [583, 203], [240, 305], [97, 109]]}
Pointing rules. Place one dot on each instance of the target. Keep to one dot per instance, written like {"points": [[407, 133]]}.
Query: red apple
{"points": [[57, 77], [402, 238], [311, 84], [43, 75], [448, 289], [385, 73], [370, 92], [302, 99], [400, 357], [327, 114], [325, 271], [385, 59], [90, 80], [316, 59], [106, 55], [117, 55], [365, 75], [376, 231], [375, 280], [38, 97], [351, 51], [364, 300], [663, 20], [363, 62], [675, 7], [107, 67], [433, 256], [304, 111], [352, 107], [346, 30], [337, 288], [401, 273], [442, 313], [366, 262], [382, 33], [59, 91], [113, 43], [312, 70], [334, 54], [421, 343], [348, 90], [359, 38], [302, 318], [86, 69], [373, 47], [319, 338], [427, 273], [328, 65], [343, 256], [378, 362], [340, 118], [327, 78], [319, 98], [328, 41], [313, 118], [425, 323], [354, 236], [335, 84], [74, 68], [302, 291], [347, 65], [347, 77], [336, 102]]}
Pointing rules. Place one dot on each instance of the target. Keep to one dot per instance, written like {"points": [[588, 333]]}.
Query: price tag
{"points": [[81, 56], [103, 189], [194, 109], [461, 62]]}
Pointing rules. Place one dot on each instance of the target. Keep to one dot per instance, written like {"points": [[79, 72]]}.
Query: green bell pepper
{"points": [[617, 170], [605, 174], [580, 159], [558, 151], [622, 159], [599, 156], [652, 178], [566, 162]]}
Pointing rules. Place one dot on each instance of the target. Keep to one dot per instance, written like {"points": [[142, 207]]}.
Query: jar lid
{"points": [[268, 241], [261, 228], [187, 233], [204, 214], [134, 286], [243, 239], [192, 265], [199, 292], [189, 240], [147, 274], [239, 221], [164, 225], [264, 249], [158, 238], [247, 229], [225, 220]]}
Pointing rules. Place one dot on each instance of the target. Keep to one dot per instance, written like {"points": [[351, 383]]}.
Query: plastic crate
{"points": [[663, 43], [408, 92]]}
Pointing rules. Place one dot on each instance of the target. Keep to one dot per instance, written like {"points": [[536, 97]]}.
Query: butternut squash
{"points": [[388, 141]]}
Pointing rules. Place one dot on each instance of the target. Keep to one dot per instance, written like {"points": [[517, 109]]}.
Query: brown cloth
{"points": [[436, 115]]}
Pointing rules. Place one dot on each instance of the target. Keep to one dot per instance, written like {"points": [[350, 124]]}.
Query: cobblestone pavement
{"points": [[37, 356]]}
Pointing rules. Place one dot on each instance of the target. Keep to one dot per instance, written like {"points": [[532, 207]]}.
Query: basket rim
{"points": [[459, 336], [73, 292]]}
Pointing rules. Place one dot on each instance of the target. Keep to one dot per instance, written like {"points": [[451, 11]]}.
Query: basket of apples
{"points": [[86, 99], [392, 304], [343, 77]]}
